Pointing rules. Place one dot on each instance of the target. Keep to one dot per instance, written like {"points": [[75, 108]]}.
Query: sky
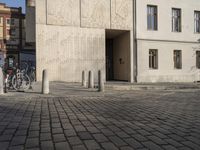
{"points": [[15, 3]]}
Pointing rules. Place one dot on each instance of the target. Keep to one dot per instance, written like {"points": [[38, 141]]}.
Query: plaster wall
{"points": [[165, 20], [166, 71]]}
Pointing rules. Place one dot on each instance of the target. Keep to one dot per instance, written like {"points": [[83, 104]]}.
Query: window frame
{"points": [[198, 59], [153, 59], [196, 21], [177, 65], [8, 21], [153, 25], [178, 16]]}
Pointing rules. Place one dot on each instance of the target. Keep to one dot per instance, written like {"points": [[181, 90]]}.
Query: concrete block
{"points": [[45, 82], [83, 78], [90, 79], [100, 82]]}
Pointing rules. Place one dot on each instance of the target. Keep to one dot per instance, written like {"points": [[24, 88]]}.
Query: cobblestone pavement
{"points": [[116, 120]]}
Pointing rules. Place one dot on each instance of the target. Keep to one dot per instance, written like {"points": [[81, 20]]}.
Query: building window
{"points": [[12, 32], [177, 59], [8, 21], [198, 59], [8, 31], [12, 21], [1, 20], [152, 21], [153, 59], [197, 21], [176, 20]]}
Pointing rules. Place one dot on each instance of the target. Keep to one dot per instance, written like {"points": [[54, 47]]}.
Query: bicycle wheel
{"points": [[21, 81]]}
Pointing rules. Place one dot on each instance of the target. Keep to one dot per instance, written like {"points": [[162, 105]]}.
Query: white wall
{"points": [[165, 18], [166, 71]]}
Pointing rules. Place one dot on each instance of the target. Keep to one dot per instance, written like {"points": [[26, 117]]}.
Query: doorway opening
{"points": [[117, 55]]}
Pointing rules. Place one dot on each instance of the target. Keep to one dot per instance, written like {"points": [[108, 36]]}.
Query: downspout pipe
{"points": [[135, 56]]}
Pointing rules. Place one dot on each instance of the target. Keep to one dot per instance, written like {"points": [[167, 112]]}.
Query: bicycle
{"points": [[21, 81]]}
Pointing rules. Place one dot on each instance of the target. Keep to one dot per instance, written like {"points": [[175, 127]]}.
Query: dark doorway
{"points": [[117, 55], [109, 59]]}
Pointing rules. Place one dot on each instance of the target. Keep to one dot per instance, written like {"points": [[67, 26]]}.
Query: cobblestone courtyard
{"points": [[114, 120]]}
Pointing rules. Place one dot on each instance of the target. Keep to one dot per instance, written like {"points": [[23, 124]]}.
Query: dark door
{"points": [[109, 59]]}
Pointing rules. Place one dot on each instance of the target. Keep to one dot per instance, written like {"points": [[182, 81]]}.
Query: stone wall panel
{"points": [[95, 13]]}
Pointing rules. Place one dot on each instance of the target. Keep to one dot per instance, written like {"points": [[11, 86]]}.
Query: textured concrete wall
{"points": [[121, 50], [166, 71], [95, 13], [70, 35], [66, 51], [63, 12], [122, 14]]}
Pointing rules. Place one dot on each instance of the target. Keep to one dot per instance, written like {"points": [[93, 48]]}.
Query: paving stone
{"points": [[69, 133], [32, 143], [57, 130], [157, 140], [100, 138], [16, 148], [45, 136], [91, 144], [79, 147], [109, 146], [126, 148], [59, 138], [18, 140], [169, 147], [62, 146], [74, 140], [152, 146], [4, 145], [117, 141], [85, 136], [4, 138], [191, 145], [174, 143], [47, 145], [133, 143]]}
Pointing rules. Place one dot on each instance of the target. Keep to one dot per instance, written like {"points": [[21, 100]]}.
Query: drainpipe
{"points": [[135, 40]]}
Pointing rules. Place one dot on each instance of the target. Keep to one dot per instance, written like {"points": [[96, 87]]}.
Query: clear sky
{"points": [[15, 3]]}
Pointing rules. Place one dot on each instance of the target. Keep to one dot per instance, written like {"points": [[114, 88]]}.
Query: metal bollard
{"points": [[1, 82], [100, 82], [83, 79], [45, 82], [90, 80]]}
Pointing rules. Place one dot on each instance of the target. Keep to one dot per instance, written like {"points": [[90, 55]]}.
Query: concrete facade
{"points": [[71, 36]]}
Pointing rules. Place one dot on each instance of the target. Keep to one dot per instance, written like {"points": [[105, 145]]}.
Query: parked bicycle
{"points": [[17, 79]]}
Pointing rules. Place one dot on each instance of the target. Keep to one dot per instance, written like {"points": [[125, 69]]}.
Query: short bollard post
{"points": [[90, 80], [45, 82], [100, 82], [83, 79], [1, 81]]}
